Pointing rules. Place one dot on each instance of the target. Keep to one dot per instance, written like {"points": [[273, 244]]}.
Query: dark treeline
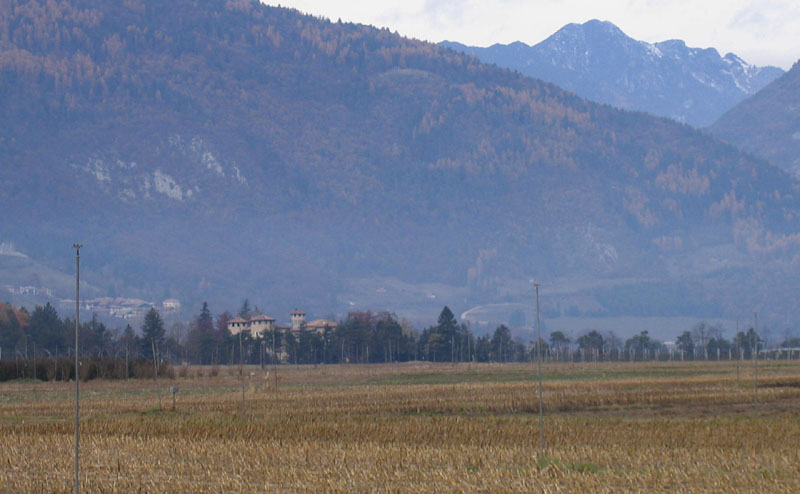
{"points": [[362, 337], [50, 368], [40, 344]]}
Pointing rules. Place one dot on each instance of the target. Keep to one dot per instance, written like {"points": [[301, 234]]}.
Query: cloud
{"points": [[767, 31]]}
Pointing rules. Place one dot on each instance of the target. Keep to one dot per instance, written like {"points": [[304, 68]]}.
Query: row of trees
{"points": [[23, 333], [362, 337], [704, 342]]}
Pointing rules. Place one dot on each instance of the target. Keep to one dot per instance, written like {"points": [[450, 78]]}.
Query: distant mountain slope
{"points": [[598, 61], [225, 149], [768, 124]]}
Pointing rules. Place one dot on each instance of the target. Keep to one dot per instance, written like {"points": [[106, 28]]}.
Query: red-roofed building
{"points": [[319, 325]]}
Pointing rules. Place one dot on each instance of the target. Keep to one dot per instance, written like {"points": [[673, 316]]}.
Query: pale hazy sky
{"points": [[763, 32]]}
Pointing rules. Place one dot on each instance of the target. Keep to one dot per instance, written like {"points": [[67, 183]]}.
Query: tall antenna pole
{"points": [[77, 248], [539, 358]]}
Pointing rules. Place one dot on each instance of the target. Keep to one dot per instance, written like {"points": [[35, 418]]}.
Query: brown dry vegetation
{"points": [[631, 427]]}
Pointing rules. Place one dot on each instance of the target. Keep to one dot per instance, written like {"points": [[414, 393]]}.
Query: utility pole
{"points": [[155, 370], [241, 369], [755, 356], [539, 358], [274, 360], [77, 248], [739, 351], [127, 368]]}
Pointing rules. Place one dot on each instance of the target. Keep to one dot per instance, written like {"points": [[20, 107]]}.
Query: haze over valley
{"points": [[225, 150]]}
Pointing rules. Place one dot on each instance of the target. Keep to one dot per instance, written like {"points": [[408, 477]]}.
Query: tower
{"points": [[298, 319]]}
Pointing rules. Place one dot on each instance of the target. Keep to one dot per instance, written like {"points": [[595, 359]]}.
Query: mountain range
{"points": [[224, 150], [598, 61]]}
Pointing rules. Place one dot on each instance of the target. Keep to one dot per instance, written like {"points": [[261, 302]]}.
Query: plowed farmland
{"points": [[682, 427]]}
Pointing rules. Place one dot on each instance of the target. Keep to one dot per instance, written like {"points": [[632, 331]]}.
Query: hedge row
{"points": [[63, 369]]}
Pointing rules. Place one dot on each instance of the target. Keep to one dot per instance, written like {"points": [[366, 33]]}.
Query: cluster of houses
{"points": [[123, 308], [29, 290], [259, 324]]}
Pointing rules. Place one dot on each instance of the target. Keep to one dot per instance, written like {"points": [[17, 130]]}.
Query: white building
{"points": [[261, 324], [256, 325], [238, 324]]}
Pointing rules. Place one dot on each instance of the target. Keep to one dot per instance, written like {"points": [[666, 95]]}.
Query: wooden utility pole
{"points": [[155, 369], [241, 369], [755, 357], [274, 360], [539, 358], [77, 248], [739, 351]]}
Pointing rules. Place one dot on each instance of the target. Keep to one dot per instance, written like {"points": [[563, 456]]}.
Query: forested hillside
{"points": [[226, 149], [768, 124]]}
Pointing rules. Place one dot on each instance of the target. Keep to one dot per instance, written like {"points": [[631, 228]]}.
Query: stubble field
{"points": [[629, 427]]}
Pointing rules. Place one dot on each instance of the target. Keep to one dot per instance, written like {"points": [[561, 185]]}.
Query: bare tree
{"points": [[701, 333]]}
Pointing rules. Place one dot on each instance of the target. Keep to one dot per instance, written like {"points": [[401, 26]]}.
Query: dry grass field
{"points": [[630, 427]]}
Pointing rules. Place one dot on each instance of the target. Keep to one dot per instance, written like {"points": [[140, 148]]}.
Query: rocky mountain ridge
{"points": [[598, 61]]}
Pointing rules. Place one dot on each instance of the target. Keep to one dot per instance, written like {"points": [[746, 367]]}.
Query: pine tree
{"points": [[446, 329], [152, 332], [501, 343], [45, 327], [447, 321], [205, 320], [200, 340], [129, 342], [244, 311]]}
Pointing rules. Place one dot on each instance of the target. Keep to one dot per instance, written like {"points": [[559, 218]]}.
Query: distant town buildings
{"points": [[259, 324], [41, 291], [123, 308], [35, 290]]}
